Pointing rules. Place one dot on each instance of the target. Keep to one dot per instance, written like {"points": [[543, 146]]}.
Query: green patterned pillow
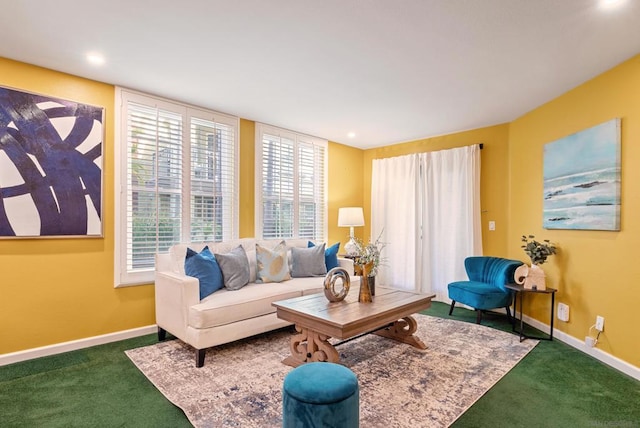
{"points": [[272, 264]]}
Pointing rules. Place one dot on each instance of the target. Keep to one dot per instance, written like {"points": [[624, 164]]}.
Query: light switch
{"points": [[492, 225]]}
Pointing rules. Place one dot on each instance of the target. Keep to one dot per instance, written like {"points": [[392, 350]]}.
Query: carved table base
{"points": [[402, 331], [308, 346]]}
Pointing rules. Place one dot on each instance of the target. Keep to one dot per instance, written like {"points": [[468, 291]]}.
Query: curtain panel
{"points": [[427, 208], [394, 217]]}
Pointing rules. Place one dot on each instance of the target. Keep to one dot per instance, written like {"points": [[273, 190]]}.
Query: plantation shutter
{"points": [[311, 207], [213, 195], [290, 185], [178, 180], [154, 170], [277, 187]]}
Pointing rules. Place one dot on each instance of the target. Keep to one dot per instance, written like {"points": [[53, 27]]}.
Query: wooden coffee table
{"points": [[317, 320]]}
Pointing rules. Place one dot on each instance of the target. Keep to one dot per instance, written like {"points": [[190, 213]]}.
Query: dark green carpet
{"points": [[93, 387], [554, 386]]}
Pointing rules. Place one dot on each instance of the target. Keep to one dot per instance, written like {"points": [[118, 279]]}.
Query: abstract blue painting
{"points": [[50, 166], [582, 179]]}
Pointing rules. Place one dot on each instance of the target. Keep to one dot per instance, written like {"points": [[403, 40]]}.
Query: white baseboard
{"points": [[596, 353], [73, 345]]}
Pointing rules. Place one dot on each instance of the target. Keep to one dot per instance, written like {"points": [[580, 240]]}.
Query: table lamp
{"points": [[350, 217]]}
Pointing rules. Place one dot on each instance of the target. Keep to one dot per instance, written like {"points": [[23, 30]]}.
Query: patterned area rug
{"points": [[400, 386]]}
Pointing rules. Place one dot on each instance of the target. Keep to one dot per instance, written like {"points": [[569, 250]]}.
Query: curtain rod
{"points": [[481, 146]]}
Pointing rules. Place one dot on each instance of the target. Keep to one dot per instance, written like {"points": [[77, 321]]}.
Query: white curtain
{"points": [[431, 223], [394, 218]]}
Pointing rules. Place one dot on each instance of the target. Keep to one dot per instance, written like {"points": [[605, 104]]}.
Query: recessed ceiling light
{"points": [[351, 135], [95, 58], [611, 4]]}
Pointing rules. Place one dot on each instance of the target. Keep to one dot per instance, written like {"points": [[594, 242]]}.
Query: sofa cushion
{"points": [[308, 261], [330, 255], [235, 268], [203, 266], [253, 300], [272, 264], [308, 285]]}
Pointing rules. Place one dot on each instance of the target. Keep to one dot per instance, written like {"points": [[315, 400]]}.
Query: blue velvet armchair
{"points": [[486, 286]]}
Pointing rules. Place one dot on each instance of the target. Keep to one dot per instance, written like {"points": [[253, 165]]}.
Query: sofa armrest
{"points": [[346, 264], [175, 294]]}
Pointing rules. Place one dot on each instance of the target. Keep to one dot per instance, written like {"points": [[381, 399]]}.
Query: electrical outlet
{"points": [[563, 312], [492, 225], [599, 323]]}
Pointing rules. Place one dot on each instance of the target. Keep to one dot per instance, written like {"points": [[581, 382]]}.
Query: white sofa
{"points": [[225, 315]]}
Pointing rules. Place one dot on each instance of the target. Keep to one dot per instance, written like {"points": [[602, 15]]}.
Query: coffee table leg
{"points": [[308, 346], [402, 331]]}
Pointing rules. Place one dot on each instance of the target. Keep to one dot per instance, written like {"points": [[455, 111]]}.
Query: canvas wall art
{"points": [[582, 179], [50, 166]]}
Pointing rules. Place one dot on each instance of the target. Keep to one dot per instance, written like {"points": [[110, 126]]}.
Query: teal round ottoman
{"points": [[320, 395]]}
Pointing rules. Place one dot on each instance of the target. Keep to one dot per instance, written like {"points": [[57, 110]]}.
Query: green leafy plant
{"points": [[536, 250], [371, 252]]}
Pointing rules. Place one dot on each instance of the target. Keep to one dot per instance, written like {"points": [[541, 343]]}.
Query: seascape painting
{"points": [[582, 180], [50, 166]]}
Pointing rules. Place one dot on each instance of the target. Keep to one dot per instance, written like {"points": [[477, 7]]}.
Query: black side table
{"points": [[520, 290]]}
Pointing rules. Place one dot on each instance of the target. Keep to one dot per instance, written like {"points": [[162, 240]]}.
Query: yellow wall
{"points": [[595, 272], [247, 178], [494, 173], [345, 188], [56, 290]]}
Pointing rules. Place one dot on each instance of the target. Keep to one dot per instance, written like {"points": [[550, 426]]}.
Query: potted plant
{"points": [[370, 255], [537, 251], [533, 277]]}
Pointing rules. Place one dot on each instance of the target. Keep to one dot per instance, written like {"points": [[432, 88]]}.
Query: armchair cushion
{"points": [[478, 295]]}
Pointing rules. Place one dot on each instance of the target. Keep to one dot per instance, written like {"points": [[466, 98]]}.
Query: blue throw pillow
{"points": [[330, 255], [204, 266]]}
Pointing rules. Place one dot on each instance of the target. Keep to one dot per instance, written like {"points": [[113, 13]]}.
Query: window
{"points": [[178, 180], [290, 184]]}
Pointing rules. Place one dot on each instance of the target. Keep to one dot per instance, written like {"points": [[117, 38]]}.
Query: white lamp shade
{"points": [[350, 217]]}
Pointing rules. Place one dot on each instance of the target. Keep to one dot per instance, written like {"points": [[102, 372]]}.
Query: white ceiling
{"points": [[390, 71]]}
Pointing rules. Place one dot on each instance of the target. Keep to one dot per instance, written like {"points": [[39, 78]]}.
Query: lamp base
{"points": [[351, 248]]}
